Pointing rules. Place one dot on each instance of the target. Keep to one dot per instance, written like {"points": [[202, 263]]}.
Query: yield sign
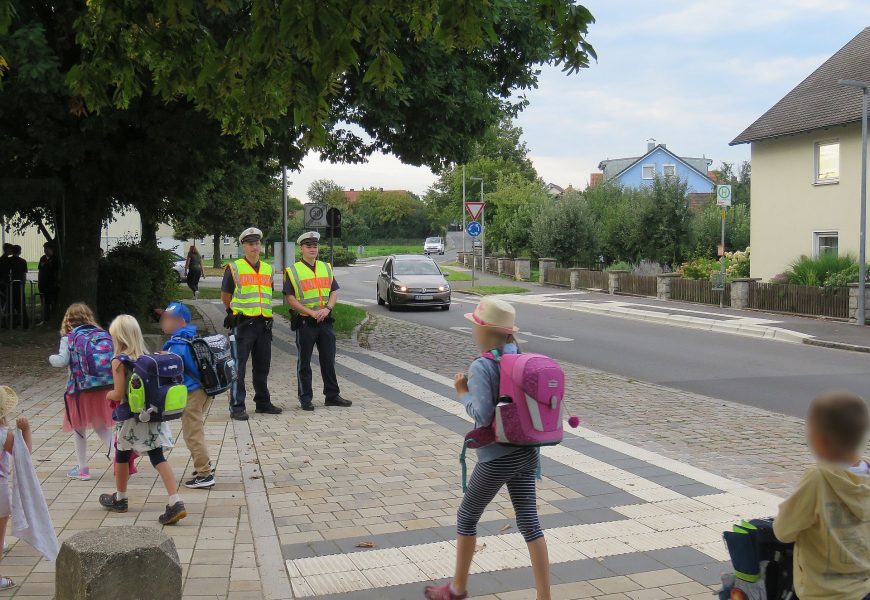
{"points": [[474, 209]]}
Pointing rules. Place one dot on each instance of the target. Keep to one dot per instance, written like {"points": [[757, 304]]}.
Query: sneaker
{"points": [[111, 502], [239, 416], [79, 473], [173, 514], [205, 473], [205, 481], [442, 592], [307, 406], [338, 401], [270, 410]]}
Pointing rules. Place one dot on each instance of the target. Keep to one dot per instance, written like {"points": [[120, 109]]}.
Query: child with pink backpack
{"points": [[516, 403]]}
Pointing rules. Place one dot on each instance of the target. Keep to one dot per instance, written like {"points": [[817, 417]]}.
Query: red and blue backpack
{"points": [[91, 350]]}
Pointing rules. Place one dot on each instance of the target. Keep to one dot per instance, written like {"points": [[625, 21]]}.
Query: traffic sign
{"points": [[314, 216], [723, 195], [473, 229], [474, 209]]}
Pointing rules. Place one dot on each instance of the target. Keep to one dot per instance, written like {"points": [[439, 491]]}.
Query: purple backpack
{"points": [[91, 350], [529, 410]]}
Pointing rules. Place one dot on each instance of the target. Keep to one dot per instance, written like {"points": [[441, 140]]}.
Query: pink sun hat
{"points": [[494, 314]]}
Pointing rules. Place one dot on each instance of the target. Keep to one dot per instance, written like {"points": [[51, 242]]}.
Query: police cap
{"points": [[251, 234]]}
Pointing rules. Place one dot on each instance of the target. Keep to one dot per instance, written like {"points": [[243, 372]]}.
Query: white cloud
{"points": [[783, 69]]}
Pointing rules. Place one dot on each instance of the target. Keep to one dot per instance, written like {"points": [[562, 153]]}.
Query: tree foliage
{"points": [[739, 180], [565, 230], [511, 210]]}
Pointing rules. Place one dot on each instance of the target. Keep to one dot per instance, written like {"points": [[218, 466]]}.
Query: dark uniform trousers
{"points": [[308, 335], [254, 340]]}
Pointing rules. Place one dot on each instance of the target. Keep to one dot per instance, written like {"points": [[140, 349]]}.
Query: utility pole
{"points": [[283, 263], [463, 210]]}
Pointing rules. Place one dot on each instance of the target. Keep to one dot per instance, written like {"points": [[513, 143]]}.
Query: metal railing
{"points": [[800, 299], [18, 304]]}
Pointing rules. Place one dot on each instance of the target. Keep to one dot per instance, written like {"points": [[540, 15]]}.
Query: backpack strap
{"points": [[468, 440]]}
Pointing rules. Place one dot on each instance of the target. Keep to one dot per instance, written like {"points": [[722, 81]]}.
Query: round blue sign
{"points": [[473, 229]]}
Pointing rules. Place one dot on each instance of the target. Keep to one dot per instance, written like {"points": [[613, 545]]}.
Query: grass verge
{"points": [[488, 290], [387, 250], [346, 316], [457, 275], [183, 292]]}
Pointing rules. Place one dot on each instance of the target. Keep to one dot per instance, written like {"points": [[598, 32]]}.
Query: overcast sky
{"points": [[690, 74]]}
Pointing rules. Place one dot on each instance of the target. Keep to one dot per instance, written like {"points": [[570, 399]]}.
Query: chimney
{"points": [[350, 190], [663, 145], [382, 189], [650, 144]]}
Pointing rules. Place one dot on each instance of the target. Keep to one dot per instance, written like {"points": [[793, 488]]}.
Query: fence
{"points": [[560, 277], [699, 291], [637, 285], [593, 280], [508, 267], [800, 299], [491, 264], [20, 304]]}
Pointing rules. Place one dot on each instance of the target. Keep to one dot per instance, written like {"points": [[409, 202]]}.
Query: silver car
{"points": [[178, 263], [433, 245], [412, 280]]}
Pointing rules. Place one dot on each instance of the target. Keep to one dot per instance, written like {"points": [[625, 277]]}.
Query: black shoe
{"points": [[111, 502], [173, 514], [307, 406], [270, 410], [239, 416], [204, 481], [338, 401], [205, 473]]}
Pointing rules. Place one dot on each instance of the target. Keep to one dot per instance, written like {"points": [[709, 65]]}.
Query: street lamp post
{"points": [[862, 269], [463, 209], [284, 220]]}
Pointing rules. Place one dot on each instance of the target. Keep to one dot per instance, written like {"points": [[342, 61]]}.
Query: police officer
{"points": [[310, 290], [246, 292]]}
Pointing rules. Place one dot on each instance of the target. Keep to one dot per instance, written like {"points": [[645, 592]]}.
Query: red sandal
{"points": [[442, 592]]}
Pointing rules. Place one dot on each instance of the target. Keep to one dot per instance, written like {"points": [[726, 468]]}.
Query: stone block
{"points": [[136, 563]]}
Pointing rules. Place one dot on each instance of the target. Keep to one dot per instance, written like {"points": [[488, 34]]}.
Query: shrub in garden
{"points": [[818, 271], [622, 265], [648, 268], [737, 264], [134, 279], [700, 268]]}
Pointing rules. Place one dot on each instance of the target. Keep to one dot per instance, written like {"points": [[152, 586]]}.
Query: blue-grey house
{"points": [[658, 161]]}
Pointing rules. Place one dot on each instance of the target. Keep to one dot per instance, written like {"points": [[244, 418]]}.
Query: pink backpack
{"points": [[529, 410]]}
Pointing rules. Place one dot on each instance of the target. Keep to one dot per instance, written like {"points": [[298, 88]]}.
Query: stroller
{"points": [[763, 566]]}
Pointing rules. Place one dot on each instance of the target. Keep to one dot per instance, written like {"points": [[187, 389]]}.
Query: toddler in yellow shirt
{"points": [[828, 515]]}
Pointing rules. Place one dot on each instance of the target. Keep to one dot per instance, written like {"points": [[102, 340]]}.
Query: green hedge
{"points": [[343, 256], [134, 279]]}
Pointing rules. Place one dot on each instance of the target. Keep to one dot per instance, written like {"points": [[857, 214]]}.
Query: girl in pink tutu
{"points": [[87, 351]]}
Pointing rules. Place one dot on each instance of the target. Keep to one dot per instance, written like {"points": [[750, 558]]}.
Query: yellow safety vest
{"points": [[253, 294], [312, 288]]}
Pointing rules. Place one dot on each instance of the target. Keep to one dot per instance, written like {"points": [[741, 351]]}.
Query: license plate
{"points": [[424, 297]]}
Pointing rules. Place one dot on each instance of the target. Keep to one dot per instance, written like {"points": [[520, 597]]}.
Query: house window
{"points": [[669, 170], [227, 240], [649, 172], [827, 162], [826, 242]]}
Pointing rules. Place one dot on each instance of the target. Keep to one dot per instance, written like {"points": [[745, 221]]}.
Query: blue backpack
{"points": [[156, 390], [91, 352]]}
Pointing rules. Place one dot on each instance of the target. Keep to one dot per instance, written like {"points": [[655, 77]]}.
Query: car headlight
{"points": [[443, 288], [400, 288]]}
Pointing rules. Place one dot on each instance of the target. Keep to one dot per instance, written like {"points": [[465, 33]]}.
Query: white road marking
{"points": [[366, 300], [352, 303], [463, 301], [667, 519], [551, 338]]}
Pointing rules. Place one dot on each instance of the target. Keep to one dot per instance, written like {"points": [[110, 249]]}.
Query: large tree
{"points": [[122, 103]]}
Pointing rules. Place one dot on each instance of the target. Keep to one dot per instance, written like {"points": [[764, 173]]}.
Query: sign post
{"points": [[473, 229], [723, 199]]}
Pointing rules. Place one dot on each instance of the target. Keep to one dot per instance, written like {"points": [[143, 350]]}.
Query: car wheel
{"points": [[390, 306], [445, 307]]}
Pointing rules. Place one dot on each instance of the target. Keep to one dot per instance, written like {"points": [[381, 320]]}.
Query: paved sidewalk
{"points": [[360, 503]]}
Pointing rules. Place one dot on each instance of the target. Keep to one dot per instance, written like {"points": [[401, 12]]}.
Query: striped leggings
{"points": [[517, 470]]}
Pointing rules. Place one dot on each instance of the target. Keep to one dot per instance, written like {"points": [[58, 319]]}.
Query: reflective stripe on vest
{"points": [[252, 296], [312, 288]]}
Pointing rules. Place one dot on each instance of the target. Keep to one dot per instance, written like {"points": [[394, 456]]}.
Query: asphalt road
{"points": [[777, 376]]}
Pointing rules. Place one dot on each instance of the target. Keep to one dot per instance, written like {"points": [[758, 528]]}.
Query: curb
{"points": [[836, 345], [354, 334]]}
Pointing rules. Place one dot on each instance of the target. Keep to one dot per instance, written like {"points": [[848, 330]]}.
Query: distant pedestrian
{"points": [[85, 407], [5, 278], [193, 269], [18, 276], [246, 292], [49, 280], [497, 464], [311, 291]]}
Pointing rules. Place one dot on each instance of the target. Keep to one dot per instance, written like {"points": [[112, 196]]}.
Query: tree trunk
{"points": [[81, 255], [149, 228], [216, 247]]}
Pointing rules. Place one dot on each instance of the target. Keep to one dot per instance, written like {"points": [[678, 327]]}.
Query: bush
{"points": [[620, 266], [737, 264], [134, 279], [648, 267], [706, 229], [700, 268], [819, 271]]}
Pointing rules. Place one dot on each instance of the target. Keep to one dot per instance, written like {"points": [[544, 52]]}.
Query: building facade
{"points": [[659, 161]]}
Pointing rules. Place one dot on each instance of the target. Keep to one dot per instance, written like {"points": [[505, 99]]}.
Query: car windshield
{"points": [[433, 240], [176, 257], [415, 267]]}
